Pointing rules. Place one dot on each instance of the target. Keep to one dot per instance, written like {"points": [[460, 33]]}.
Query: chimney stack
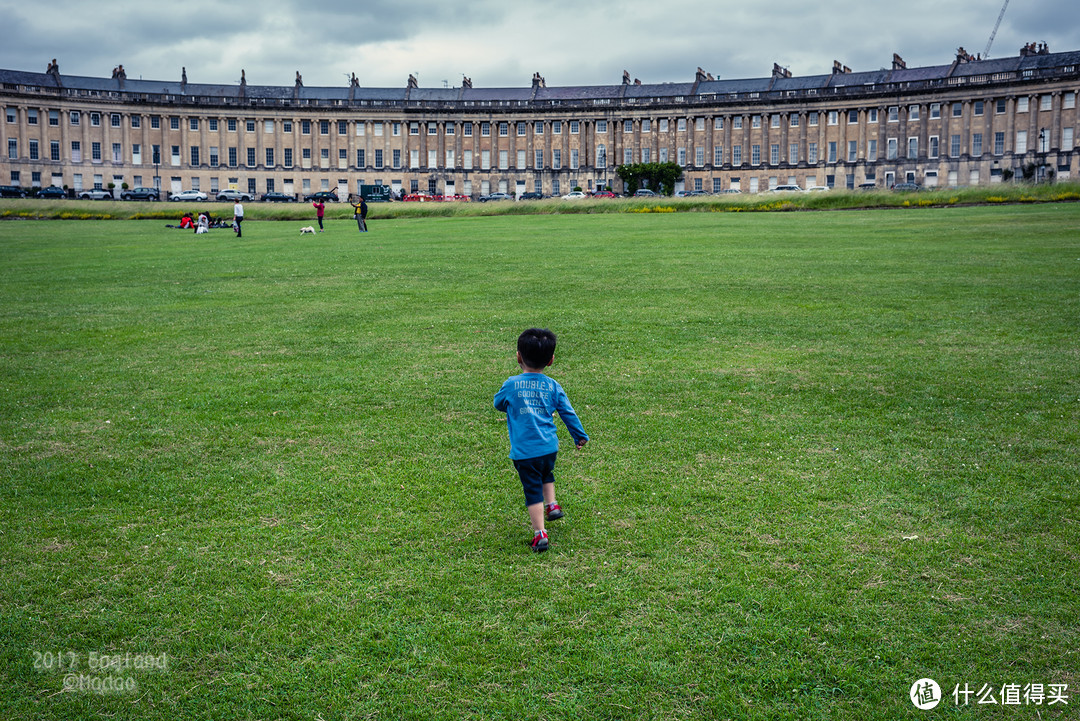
{"points": [[54, 71]]}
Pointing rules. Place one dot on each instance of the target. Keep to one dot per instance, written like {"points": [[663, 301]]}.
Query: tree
{"points": [[660, 177]]}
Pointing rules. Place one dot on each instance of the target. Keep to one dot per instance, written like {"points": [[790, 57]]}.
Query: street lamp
{"points": [[1042, 155]]}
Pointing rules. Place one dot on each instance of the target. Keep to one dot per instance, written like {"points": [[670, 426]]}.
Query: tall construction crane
{"points": [[986, 53]]}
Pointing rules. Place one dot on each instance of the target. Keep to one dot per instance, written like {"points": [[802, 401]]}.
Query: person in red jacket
{"points": [[320, 208]]}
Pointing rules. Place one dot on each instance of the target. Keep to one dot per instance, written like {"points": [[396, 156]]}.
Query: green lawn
{"points": [[832, 453]]}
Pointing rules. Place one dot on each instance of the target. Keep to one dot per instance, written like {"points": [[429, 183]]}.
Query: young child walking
{"points": [[530, 401]]}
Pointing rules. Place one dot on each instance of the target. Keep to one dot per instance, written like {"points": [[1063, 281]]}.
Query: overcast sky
{"points": [[501, 44]]}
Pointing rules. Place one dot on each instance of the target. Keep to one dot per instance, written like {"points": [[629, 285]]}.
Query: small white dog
{"points": [[308, 229]]}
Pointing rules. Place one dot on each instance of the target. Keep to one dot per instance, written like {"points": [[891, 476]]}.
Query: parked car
{"points": [[732, 191], [139, 193], [12, 191], [277, 198], [95, 194], [905, 187], [574, 195], [698, 192], [531, 196], [867, 186], [196, 195], [604, 194], [787, 189], [816, 188], [682, 193], [327, 196], [52, 192], [233, 196], [644, 193], [496, 196]]}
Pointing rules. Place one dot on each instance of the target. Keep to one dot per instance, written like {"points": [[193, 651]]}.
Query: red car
{"points": [[604, 194]]}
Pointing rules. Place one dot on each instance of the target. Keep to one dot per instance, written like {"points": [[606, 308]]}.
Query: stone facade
{"points": [[968, 122]]}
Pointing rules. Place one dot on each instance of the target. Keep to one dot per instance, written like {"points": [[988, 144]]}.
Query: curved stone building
{"points": [[966, 122]]}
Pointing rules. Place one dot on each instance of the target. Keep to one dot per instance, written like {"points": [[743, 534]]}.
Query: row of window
{"points": [[232, 159], [466, 188], [520, 128]]}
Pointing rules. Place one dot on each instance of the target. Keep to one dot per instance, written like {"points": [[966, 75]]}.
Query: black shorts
{"points": [[534, 473]]}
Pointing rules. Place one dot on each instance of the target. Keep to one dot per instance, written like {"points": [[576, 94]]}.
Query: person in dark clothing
{"points": [[360, 213]]}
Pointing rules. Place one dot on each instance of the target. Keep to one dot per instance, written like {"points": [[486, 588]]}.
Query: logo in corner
{"points": [[925, 694]]}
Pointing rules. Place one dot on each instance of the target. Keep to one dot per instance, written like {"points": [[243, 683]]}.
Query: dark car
{"points": [[52, 192], [644, 193], [233, 196], [531, 196], [905, 187], [868, 185], [138, 193], [12, 191], [327, 196], [277, 198], [496, 196]]}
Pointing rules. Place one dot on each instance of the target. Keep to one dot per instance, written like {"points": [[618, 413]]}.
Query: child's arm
{"points": [[570, 419], [502, 399]]}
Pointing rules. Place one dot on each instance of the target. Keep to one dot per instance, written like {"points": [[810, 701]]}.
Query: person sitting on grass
{"points": [[530, 401]]}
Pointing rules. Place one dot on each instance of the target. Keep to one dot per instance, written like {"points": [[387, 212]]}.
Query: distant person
{"points": [[360, 213], [320, 209], [530, 401], [238, 218], [186, 222], [203, 225]]}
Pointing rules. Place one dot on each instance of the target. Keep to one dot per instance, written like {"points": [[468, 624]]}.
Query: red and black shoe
{"points": [[540, 542], [554, 510]]}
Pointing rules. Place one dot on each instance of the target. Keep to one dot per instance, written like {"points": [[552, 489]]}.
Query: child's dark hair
{"points": [[537, 347]]}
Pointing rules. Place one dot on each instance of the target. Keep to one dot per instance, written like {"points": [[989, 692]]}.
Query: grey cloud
{"points": [[500, 44]]}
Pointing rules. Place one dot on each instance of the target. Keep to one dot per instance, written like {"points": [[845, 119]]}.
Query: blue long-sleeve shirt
{"points": [[530, 401]]}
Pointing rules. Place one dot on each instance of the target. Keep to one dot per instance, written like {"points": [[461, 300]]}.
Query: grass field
{"points": [[832, 453]]}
